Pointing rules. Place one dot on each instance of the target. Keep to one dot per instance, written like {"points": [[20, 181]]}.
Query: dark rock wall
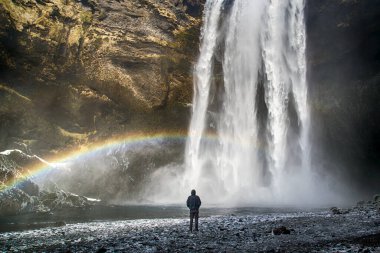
{"points": [[74, 71], [344, 77]]}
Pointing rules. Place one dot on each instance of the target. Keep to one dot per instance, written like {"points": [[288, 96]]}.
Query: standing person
{"points": [[193, 203]]}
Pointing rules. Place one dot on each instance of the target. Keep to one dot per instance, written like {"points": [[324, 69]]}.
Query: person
{"points": [[193, 203]]}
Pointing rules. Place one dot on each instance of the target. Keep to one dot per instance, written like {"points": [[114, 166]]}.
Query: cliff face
{"points": [[71, 71], [344, 78]]}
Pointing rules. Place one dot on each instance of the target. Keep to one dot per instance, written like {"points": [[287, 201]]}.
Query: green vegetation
{"points": [[6, 4], [86, 17]]}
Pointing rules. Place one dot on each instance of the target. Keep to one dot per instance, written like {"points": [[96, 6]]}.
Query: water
{"points": [[202, 81], [258, 111]]}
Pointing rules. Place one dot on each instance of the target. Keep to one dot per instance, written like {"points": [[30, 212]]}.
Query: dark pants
{"points": [[194, 214]]}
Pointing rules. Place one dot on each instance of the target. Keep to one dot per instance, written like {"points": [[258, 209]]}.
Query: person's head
{"points": [[193, 192]]}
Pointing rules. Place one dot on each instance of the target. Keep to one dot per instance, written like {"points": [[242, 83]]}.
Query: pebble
{"points": [[230, 233]]}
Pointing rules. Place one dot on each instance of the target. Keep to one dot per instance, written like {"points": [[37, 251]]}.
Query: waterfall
{"points": [[249, 132], [202, 80]]}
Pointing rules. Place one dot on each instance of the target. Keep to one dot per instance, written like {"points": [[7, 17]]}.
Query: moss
{"points": [[86, 17], [7, 4], [167, 14], [187, 40]]}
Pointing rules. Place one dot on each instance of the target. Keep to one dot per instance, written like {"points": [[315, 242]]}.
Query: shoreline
{"points": [[309, 232], [32, 220]]}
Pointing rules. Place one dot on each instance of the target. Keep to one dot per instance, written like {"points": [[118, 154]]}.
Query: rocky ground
{"points": [[353, 230]]}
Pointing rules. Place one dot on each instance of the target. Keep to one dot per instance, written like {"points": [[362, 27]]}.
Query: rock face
{"points": [[344, 76], [71, 71], [25, 196], [15, 201], [13, 165]]}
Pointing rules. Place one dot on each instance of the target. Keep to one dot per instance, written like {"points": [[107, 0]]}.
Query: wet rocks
{"points": [[101, 250], [15, 201], [62, 199], [25, 196], [280, 231], [335, 210], [171, 235], [29, 188], [376, 201], [60, 224]]}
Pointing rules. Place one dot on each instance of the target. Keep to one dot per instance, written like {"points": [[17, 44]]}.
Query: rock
{"points": [[15, 201], [60, 224], [62, 199], [335, 210], [101, 250], [347, 24], [92, 65], [29, 188], [376, 198], [280, 230]]}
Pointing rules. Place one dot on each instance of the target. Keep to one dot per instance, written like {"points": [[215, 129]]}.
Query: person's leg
{"points": [[191, 220], [196, 215]]}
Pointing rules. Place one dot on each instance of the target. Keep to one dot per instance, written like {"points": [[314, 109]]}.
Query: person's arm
{"points": [[198, 202], [188, 202]]}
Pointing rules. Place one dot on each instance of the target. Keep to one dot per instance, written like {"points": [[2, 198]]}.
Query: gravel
{"points": [[309, 232]]}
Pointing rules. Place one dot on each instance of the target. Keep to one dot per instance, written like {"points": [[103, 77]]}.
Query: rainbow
{"points": [[129, 140]]}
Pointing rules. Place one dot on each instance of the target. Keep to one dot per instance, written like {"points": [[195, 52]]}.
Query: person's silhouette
{"points": [[193, 203]]}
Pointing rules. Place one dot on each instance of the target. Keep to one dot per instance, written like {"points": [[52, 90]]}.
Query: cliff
{"points": [[73, 71], [344, 76]]}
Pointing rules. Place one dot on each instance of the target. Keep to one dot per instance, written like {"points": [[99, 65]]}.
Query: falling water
{"points": [[257, 111]]}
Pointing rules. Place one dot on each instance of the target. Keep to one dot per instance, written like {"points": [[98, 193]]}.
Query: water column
{"points": [[284, 44], [202, 80], [238, 128], [263, 42]]}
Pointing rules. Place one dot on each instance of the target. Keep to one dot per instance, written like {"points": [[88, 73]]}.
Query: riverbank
{"points": [[357, 230]]}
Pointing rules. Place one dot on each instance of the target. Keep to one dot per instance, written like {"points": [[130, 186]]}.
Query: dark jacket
{"points": [[193, 202]]}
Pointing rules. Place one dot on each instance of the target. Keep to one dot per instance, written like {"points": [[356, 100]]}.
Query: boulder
{"points": [[335, 210], [15, 201], [280, 230], [29, 188], [360, 203], [60, 224], [62, 199]]}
